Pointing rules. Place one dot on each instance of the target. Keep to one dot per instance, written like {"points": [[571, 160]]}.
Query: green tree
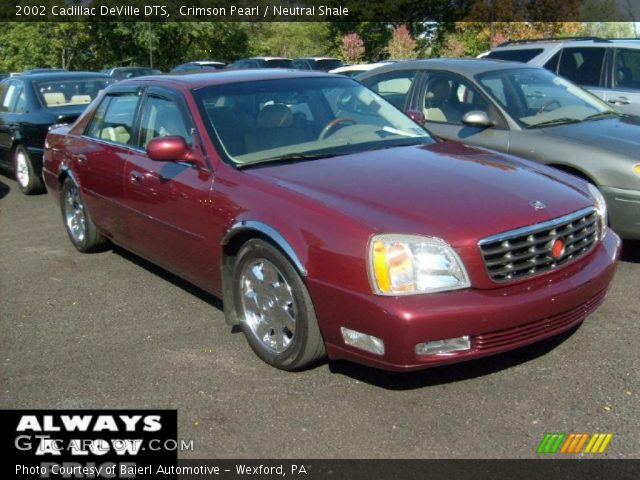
{"points": [[292, 39], [402, 45], [44, 44]]}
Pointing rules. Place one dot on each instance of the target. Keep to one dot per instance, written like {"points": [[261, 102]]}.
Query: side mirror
{"points": [[416, 116], [66, 119], [167, 149], [477, 118]]}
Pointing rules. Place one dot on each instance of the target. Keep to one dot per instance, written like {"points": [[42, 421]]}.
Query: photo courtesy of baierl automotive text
{"points": [[320, 239]]}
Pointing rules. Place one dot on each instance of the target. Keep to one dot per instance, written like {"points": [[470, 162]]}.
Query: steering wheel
{"points": [[331, 125], [547, 104]]}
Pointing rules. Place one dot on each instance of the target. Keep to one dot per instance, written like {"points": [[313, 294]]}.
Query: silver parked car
{"points": [[525, 111], [610, 68]]}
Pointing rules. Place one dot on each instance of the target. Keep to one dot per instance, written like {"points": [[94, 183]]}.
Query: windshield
{"points": [[61, 93], [302, 118], [327, 64], [537, 97], [277, 63]]}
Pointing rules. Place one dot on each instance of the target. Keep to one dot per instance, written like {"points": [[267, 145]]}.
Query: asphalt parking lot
{"points": [[110, 330]]}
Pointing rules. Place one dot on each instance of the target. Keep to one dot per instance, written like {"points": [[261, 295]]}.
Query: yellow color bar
{"points": [[606, 441], [591, 442]]}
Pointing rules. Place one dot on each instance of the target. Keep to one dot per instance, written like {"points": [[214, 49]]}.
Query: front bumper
{"points": [[497, 320], [624, 211]]}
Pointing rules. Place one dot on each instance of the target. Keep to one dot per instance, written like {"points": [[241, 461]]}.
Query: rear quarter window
{"points": [[518, 55]]}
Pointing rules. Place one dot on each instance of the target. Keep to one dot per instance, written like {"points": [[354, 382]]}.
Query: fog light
{"points": [[363, 341], [443, 346]]}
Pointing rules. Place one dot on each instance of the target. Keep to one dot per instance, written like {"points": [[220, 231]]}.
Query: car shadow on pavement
{"points": [[631, 251], [170, 277], [4, 189], [449, 373]]}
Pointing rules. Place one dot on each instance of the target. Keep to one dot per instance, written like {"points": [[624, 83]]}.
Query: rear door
{"points": [[168, 203], [395, 86], [623, 82], [585, 67], [99, 157], [12, 105]]}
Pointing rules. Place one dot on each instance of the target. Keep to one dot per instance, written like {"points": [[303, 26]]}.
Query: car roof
{"points": [[266, 58], [465, 66], [130, 68], [360, 67], [62, 75], [317, 58], [574, 42], [219, 77]]}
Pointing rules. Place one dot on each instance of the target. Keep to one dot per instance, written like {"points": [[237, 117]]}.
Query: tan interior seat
{"points": [[275, 128], [117, 134], [436, 106], [80, 99], [54, 98]]}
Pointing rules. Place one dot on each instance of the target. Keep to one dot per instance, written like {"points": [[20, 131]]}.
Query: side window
{"points": [[393, 87], [582, 65], [552, 63], [627, 68], [516, 55], [448, 97], [11, 98], [21, 103], [161, 117], [113, 120]]}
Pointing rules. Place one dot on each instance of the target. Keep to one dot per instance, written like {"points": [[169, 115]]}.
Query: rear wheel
{"points": [[81, 229], [28, 180], [275, 308]]}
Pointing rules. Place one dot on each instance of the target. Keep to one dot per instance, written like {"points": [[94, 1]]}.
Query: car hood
{"points": [[617, 134], [446, 190]]}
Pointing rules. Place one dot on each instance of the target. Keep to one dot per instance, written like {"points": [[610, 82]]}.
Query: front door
{"points": [[623, 90], [168, 203], [445, 98]]}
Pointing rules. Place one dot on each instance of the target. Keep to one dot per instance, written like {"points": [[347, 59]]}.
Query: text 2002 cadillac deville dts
{"points": [[328, 221]]}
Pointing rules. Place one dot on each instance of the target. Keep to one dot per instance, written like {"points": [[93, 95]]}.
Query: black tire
{"points": [[86, 237], [305, 344], [29, 180]]}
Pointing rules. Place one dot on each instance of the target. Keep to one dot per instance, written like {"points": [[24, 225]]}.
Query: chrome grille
{"points": [[527, 251]]}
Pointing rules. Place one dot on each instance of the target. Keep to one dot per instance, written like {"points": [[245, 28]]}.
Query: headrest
{"points": [[275, 116], [54, 98], [438, 89]]}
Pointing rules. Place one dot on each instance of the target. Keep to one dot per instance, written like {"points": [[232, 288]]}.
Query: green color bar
{"points": [[551, 442]]}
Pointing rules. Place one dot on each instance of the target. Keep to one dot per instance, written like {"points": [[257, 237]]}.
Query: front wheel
{"points": [[29, 182], [275, 308], [83, 233]]}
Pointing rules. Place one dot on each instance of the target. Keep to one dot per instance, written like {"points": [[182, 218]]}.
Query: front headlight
{"points": [[411, 264], [601, 210]]}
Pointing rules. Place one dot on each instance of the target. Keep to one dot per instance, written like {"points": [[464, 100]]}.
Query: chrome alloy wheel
{"points": [[22, 169], [267, 303], [74, 214]]}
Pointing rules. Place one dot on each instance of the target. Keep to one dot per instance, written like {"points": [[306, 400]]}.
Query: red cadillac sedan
{"points": [[328, 221]]}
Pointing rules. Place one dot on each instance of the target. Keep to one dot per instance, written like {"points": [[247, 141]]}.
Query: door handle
{"points": [[80, 158], [620, 101], [136, 177]]}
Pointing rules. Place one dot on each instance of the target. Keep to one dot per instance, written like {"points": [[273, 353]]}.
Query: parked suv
{"points": [[608, 68]]}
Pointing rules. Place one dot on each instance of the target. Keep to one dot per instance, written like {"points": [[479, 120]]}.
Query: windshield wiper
{"points": [[555, 121], [605, 114], [291, 157], [397, 144]]}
